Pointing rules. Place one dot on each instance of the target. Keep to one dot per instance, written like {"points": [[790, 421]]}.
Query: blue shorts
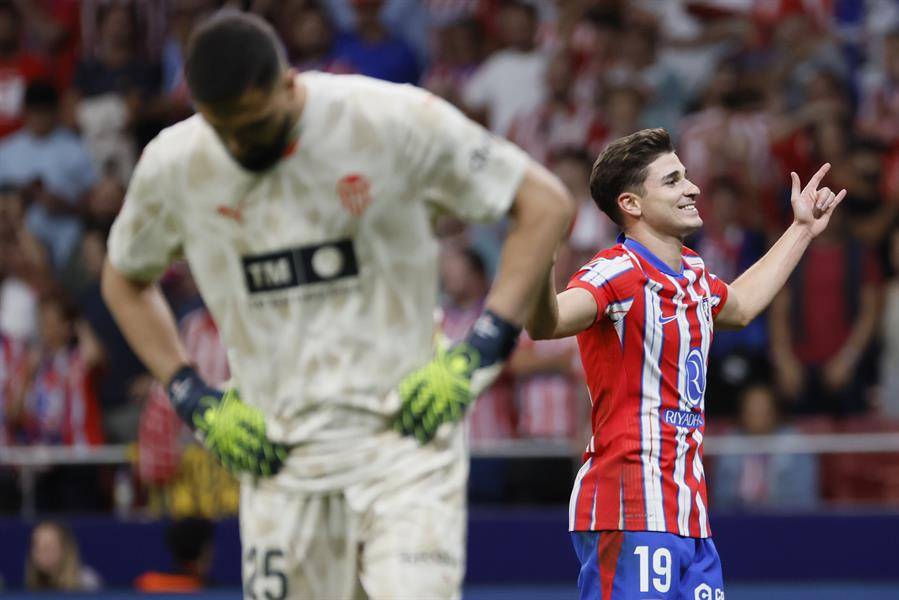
{"points": [[646, 565]]}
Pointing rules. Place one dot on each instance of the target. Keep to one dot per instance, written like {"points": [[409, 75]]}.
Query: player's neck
{"points": [[667, 248]]}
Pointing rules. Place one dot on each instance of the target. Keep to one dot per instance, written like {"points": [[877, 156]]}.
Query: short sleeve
{"points": [[610, 281], [719, 291], [146, 236], [463, 168]]}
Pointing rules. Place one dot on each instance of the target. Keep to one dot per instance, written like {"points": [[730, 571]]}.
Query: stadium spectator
{"points": [[309, 38], [54, 170], [190, 542], [54, 562], [119, 389], [113, 91], [838, 282], [764, 480], [52, 30], [371, 49], [879, 111], [24, 269], [620, 110], [464, 283], [560, 121], [640, 66], [512, 79], [459, 51], [592, 229], [18, 68], [730, 242], [175, 102], [58, 405]]}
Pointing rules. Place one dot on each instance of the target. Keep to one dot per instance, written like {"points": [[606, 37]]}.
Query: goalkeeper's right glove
{"points": [[232, 431], [442, 390]]}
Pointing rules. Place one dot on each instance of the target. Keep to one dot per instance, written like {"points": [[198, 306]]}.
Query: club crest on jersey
{"points": [[694, 367], [705, 308], [294, 267], [355, 193]]}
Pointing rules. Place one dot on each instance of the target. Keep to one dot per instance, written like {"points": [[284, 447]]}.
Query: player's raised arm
{"points": [[754, 290]]}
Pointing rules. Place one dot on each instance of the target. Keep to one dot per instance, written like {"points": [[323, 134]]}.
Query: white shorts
{"points": [[388, 538]]}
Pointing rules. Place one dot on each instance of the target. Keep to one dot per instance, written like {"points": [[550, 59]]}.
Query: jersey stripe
{"points": [[653, 342], [683, 447], [576, 494], [604, 270]]}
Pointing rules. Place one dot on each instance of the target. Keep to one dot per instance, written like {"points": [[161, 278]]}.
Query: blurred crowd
{"points": [[750, 89]]}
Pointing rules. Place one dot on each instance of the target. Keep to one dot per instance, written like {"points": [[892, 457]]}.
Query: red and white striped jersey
{"points": [[645, 359]]}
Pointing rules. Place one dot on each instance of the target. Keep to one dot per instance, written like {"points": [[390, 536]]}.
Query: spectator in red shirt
{"points": [[464, 280], [822, 324], [17, 68]]}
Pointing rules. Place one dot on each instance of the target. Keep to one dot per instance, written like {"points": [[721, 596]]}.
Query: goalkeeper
{"points": [[303, 205]]}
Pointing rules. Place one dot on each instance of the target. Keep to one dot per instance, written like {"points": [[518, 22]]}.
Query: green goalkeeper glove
{"points": [[232, 431], [443, 389]]}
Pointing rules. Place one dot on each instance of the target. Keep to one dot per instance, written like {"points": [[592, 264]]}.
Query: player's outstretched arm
{"points": [[442, 390], [754, 290], [232, 431]]}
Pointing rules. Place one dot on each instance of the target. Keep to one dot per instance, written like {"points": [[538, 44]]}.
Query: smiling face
{"points": [[667, 201]]}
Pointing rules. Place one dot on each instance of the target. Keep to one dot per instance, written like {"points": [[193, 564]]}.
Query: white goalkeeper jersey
{"points": [[321, 273]]}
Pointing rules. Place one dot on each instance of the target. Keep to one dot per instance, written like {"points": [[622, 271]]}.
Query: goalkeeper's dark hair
{"points": [[622, 167], [231, 53]]}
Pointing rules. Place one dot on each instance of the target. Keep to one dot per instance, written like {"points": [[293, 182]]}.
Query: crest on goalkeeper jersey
{"points": [[355, 193]]}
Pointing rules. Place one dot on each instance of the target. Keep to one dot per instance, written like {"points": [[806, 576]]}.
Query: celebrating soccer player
{"points": [[644, 311], [303, 204]]}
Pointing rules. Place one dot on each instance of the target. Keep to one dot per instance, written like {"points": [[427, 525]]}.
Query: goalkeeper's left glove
{"points": [[442, 390], [232, 431]]}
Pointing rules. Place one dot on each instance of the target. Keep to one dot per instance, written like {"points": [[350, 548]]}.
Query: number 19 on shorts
{"points": [[655, 568]]}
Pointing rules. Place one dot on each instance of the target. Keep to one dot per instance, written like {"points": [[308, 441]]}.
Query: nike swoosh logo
{"points": [[664, 320]]}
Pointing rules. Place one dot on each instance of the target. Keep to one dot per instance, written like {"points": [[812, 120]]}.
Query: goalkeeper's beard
{"points": [[263, 158]]}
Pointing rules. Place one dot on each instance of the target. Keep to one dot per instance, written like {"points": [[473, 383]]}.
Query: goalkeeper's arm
{"points": [[231, 430], [441, 391]]}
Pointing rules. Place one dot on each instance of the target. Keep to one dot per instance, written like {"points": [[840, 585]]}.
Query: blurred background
{"points": [[103, 491]]}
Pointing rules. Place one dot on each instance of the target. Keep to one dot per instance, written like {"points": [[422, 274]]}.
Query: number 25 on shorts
{"points": [[264, 569]]}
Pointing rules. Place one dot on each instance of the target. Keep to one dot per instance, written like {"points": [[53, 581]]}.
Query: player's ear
{"points": [[288, 80], [629, 204]]}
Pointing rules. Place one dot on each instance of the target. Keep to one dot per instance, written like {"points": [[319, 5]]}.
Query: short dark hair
{"points": [[231, 53], [41, 95], [622, 167]]}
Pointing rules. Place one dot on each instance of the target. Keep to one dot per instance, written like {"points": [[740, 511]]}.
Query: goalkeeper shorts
{"points": [[403, 541]]}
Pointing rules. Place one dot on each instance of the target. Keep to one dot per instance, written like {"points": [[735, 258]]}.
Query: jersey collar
{"points": [[646, 254]]}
